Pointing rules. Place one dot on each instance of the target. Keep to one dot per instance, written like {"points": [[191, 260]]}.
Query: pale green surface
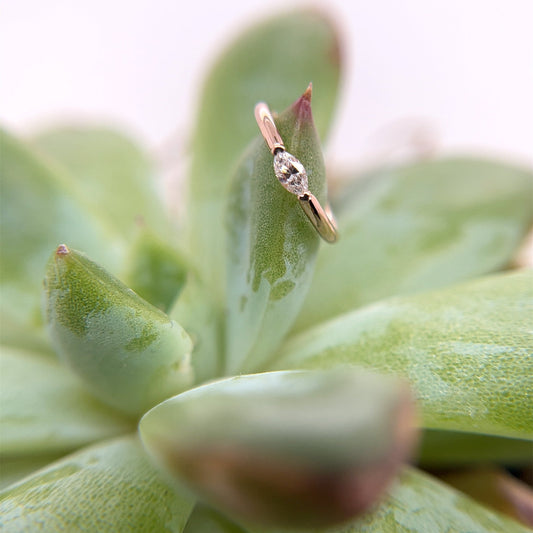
{"points": [[419, 227], [273, 62], [19, 335], [197, 311], [129, 353], [15, 469], [418, 503], [44, 408], [271, 245], [39, 209], [113, 173], [110, 487], [206, 520], [466, 351], [450, 448], [155, 270], [280, 437]]}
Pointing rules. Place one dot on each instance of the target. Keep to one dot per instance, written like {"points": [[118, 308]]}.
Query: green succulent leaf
{"points": [[156, 271], [39, 207], [113, 173], [271, 244], [204, 519], [448, 449], [418, 503], [44, 410], [270, 62], [24, 336], [13, 469], [419, 227], [107, 488], [273, 438], [130, 354], [196, 310], [466, 351]]}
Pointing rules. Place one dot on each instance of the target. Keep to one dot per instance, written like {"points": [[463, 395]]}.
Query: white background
{"points": [[456, 74]]}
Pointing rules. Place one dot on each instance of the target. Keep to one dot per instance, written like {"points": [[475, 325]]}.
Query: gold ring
{"points": [[292, 175]]}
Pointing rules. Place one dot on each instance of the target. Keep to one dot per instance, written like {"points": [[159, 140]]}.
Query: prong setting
{"points": [[292, 175]]}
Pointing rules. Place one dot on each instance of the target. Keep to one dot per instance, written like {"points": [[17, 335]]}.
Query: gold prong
{"points": [[266, 124], [323, 223]]}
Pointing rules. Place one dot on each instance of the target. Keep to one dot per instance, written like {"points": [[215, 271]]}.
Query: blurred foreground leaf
{"points": [[327, 442]]}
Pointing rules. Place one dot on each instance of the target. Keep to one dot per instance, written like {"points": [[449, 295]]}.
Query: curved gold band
{"points": [[294, 178], [323, 222]]}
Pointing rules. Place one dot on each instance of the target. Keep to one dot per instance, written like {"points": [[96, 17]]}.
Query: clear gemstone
{"points": [[290, 172]]}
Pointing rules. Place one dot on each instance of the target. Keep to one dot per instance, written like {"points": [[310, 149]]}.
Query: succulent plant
{"points": [[229, 372]]}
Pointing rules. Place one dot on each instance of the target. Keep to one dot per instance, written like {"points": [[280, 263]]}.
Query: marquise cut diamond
{"points": [[290, 172]]}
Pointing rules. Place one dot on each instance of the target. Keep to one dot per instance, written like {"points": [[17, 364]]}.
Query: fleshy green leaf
{"points": [[114, 174], [107, 488], [419, 503], [271, 62], [197, 311], [13, 470], [440, 449], [466, 351], [27, 337], [128, 352], [39, 208], [44, 409], [249, 445], [206, 520], [420, 227], [156, 271], [271, 244]]}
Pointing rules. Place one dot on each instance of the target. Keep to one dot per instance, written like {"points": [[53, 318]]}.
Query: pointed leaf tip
{"points": [[259, 65], [271, 244], [62, 249], [130, 354], [308, 92], [302, 106]]}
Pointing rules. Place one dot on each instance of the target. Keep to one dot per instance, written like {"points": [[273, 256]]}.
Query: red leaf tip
{"points": [[302, 106]]}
